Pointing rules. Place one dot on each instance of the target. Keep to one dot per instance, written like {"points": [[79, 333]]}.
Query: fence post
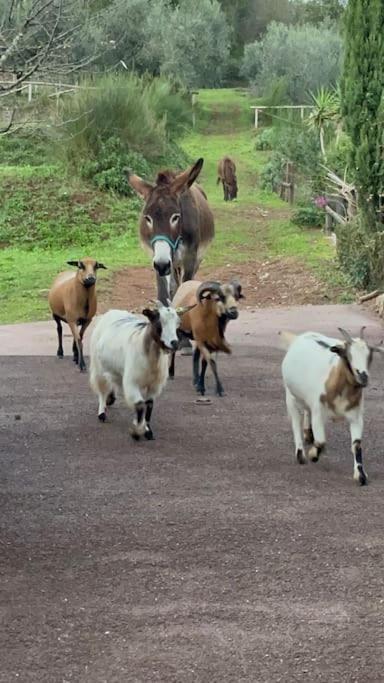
{"points": [[256, 117], [29, 92]]}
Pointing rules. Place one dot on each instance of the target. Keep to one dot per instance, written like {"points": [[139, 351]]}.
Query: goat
{"points": [[325, 377], [72, 299], [215, 305], [129, 351]]}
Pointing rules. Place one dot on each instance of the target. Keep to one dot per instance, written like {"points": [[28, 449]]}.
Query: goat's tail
{"points": [[218, 181], [286, 339]]}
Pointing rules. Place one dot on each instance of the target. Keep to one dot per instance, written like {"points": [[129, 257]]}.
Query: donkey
{"points": [[176, 225], [226, 172]]}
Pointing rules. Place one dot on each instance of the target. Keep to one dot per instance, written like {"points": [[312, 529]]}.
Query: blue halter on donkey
{"points": [[172, 243]]}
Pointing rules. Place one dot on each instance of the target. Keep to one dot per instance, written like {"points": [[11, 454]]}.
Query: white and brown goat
{"points": [[325, 378], [72, 299], [214, 305]]}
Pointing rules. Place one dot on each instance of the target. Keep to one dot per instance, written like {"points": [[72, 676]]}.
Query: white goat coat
{"points": [[118, 353], [306, 368]]}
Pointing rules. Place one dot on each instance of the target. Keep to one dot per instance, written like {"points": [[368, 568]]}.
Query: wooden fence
{"points": [[261, 108]]}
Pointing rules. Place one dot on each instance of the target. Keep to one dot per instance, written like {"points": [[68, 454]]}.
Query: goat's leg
{"points": [[148, 414], [79, 342], [75, 353], [171, 369], [60, 352], [318, 434], [102, 386], [134, 399], [307, 428], [356, 429], [295, 415], [219, 386], [195, 367], [201, 383]]}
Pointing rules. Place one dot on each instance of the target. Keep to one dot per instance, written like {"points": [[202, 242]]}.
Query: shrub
{"points": [[265, 139], [306, 56], [361, 253], [308, 217], [296, 144], [124, 121]]}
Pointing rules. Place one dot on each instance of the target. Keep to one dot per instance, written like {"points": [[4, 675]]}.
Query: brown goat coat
{"points": [[72, 302], [226, 172], [201, 321], [341, 384]]}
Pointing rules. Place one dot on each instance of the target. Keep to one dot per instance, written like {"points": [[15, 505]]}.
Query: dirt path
{"points": [[206, 555]]}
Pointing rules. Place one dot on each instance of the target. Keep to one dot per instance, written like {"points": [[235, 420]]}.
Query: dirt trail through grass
{"points": [[277, 262], [48, 218]]}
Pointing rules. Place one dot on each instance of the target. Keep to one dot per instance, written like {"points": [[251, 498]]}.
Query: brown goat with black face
{"points": [[226, 172], [215, 305], [176, 225], [72, 299]]}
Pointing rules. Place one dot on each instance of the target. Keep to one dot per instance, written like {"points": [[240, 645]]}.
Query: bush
{"points": [[361, 254], [297, 144], [308, 217], [305, 56], [124, 121], [265, 139], [338, 154], [273, 172]]}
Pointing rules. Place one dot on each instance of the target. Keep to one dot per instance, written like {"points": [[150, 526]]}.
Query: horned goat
{"points": [[325, 377], [72, 299], [215, 305]]}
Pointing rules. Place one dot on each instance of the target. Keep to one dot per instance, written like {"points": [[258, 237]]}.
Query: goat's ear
{"points": [[184, 309], [142, 187], [188, 177], [74, 263], [101, 265], [150, 314], [339, 350]]}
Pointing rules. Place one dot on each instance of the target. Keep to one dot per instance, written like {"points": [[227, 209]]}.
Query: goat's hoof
{"points": [[60, 354], [149, 435], [171, 376], [200, 390], [135, 436], [219, 391], [83, 368], [75, 360], [102, 417], [360, 476], [111, 398], [300, 457], [314, 452]]}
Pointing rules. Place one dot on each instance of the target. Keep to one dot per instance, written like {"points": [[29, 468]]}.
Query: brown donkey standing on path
{"points": [[226, 172], [176, 225]]}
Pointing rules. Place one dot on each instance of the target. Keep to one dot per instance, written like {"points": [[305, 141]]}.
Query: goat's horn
{"points": [[362, 331], [213, 287], [346, 335]]}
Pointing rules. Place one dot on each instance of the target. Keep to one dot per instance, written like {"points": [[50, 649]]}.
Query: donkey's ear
{"points": [[188, 177], [142, 187], [74, 263]]}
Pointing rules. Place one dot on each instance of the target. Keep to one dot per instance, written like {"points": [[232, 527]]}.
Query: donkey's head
{"points": [[162, 218]]}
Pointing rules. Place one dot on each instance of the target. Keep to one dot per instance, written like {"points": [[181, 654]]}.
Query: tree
{"points": [[317, 11], [37, 37], [306, 57], [362, 90], [325, 112]]}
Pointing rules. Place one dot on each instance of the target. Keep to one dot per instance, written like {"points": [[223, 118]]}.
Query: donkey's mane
{"points": [[165, 177]]}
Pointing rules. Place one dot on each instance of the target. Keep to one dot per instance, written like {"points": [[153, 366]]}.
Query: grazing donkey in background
{"points": [[176, 224], [226, 172]]}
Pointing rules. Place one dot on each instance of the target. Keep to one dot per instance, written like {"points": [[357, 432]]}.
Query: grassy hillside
{"points": [[47, 217]]}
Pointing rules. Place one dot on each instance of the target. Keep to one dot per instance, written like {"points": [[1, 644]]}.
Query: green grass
{"points": [[48, 217]]}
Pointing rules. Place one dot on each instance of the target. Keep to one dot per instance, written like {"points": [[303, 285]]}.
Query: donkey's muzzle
{"points": [[162, 267]]}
